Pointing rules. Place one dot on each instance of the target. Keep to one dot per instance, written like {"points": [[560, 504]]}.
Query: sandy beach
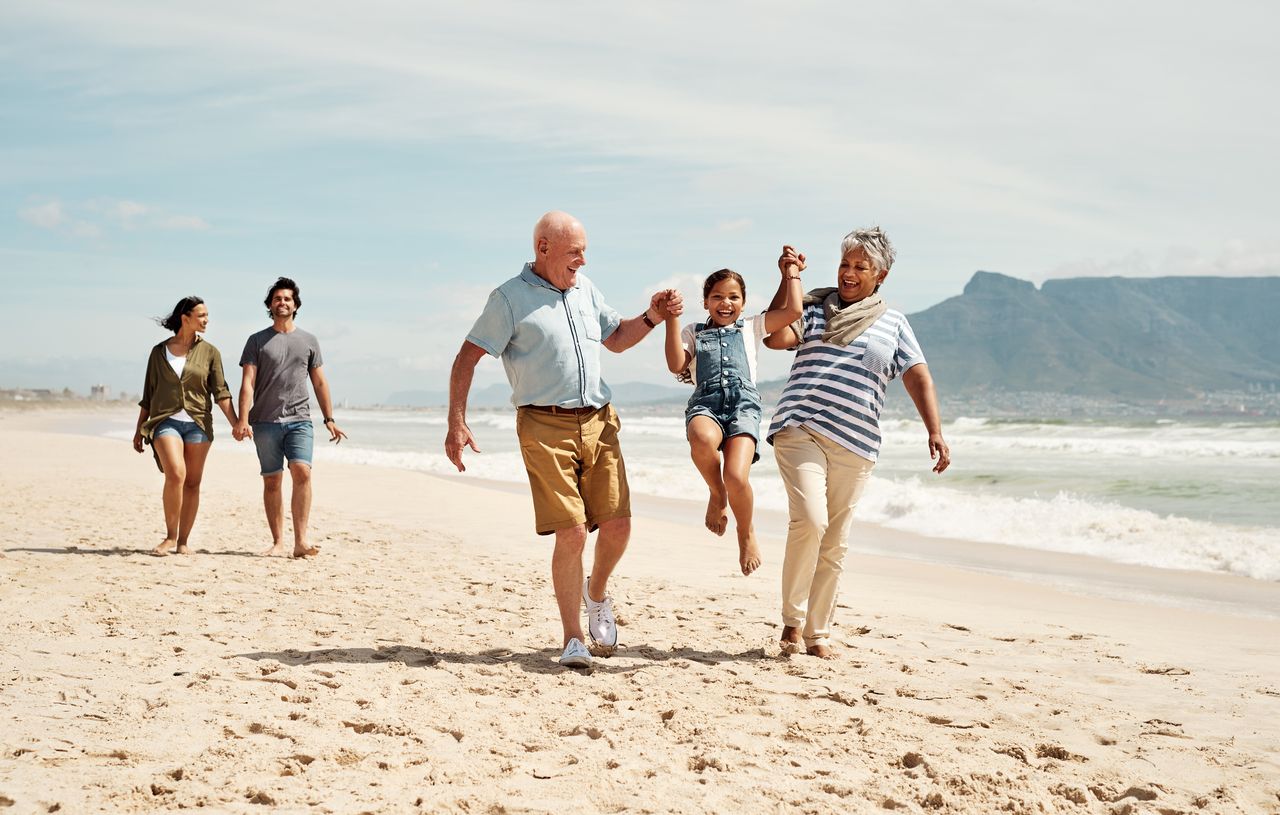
{"points": [[411, 667]]}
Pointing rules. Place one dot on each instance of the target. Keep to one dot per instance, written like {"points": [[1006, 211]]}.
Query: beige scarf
{"points": [[845, 323]]}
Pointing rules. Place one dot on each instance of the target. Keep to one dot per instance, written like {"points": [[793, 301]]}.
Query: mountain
{"points": [[1153, 338]]}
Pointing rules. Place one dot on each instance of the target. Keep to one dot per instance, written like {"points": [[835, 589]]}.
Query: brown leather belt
{"points": [[578, 411]]}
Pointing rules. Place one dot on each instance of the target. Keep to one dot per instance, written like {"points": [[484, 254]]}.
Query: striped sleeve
{"points": [[908, 353]]}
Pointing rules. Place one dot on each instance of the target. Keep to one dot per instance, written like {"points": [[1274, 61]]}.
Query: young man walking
{"points": [[275, 411]]}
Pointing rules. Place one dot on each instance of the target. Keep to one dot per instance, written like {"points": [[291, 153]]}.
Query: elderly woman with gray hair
{"points": [[826, 429]]}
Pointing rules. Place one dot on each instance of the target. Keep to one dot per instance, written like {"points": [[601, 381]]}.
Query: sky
{"points": [[392, 157]]}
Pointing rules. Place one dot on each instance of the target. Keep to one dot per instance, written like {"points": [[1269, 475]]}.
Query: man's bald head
{"points": [[554, 224], [559, 249]]}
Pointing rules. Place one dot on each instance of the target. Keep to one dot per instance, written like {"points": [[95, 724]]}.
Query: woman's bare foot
{"points": [[820, 651], [277, 550], [183, 549], [306, 551], [749, 553], [164, 548], [791, 641], [717, 519]]}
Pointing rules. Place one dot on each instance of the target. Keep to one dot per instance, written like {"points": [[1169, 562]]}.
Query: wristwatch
{"points": [[646, 319], [327, 419]]}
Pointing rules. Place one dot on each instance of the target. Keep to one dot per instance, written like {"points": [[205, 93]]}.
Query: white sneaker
{"points": [[600, 623], [575, 655]]}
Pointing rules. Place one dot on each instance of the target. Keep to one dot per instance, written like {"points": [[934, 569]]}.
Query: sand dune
{"points": [[411, 667]]}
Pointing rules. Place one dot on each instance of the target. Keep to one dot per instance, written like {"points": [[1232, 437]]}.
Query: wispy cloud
{"points": [[735, 225], [48, 215], [391, 76], [91, 219], [1232, 259]]}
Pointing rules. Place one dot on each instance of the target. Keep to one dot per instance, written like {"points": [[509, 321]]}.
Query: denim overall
{"points": [[724, 390]]}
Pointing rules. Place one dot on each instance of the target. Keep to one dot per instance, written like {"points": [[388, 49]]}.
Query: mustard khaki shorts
{"points": [[575, 466]]}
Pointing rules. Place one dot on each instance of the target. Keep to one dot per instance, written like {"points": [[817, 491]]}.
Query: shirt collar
{"points": [[528, 275]]}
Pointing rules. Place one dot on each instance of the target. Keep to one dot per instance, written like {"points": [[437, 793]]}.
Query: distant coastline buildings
{"points": [[97, 393]]}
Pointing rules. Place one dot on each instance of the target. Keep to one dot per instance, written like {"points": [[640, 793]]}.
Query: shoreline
{"points": [[1082, 574]]}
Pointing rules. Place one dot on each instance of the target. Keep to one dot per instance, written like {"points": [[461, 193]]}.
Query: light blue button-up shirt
{"points": [[549, 340]]}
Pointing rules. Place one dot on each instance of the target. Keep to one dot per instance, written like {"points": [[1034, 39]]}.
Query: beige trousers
{"points": [[824, 482]]}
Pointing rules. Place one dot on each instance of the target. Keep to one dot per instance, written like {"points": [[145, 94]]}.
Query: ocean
{"points": [[1181, 494]]}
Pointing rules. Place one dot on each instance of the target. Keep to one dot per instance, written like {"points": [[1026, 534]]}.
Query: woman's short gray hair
{"points": [[874, 242]]}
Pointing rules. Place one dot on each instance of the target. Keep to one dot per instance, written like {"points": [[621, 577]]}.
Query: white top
{"points": [[752, 338], [178, 364]]}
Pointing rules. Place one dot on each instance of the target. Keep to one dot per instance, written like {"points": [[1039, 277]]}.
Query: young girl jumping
{"points": [[719, 356]]}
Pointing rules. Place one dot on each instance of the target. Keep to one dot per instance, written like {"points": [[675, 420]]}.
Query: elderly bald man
{"points": [[547, 324]]}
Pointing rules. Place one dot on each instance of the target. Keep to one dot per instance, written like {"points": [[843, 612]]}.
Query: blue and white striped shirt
{"points": [[839, 391]]}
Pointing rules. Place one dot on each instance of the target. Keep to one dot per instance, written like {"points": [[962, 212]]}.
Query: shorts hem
{"points": [[593, 523], [550, 527]]}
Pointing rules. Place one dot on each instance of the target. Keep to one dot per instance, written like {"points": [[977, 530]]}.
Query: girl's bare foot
{"points": [[791, 641], [717, 520], [820, 651], [183, 549], [164, 548], [749, 553], [306, 551]]}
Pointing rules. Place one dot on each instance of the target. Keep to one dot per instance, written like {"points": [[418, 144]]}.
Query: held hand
{"points": [[787, 257], [667, 303], [241, 431], [940, 452], [458, 437], [672, 303], [791, 261], [675, 303], [335, 433], [137, 441]]}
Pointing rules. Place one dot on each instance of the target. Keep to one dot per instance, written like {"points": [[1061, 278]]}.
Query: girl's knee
{"points": [[703, 431], [736, 482]]}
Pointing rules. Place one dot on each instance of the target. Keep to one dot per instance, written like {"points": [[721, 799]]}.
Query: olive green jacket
{"points": [[201, 387]]}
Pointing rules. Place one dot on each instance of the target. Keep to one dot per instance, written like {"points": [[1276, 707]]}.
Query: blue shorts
{"points": [[189, 432], [276, 442], [736, 408]]}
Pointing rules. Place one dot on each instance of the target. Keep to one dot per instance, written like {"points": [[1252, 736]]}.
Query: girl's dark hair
{"points": [[185, 306], [284, 283], [723, 274]]}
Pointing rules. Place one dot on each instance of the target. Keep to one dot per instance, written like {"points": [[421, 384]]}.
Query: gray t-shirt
{"points": [[283, 361]]}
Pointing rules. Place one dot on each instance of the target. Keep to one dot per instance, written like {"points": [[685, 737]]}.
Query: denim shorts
{"points": [[735, 407], [189, 432], [276, 442]]}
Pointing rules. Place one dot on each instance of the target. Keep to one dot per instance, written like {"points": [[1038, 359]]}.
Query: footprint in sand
{"points": [[1166, 670], [1055, 751]]}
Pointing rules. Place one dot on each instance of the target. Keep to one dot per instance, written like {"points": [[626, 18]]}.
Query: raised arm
{"points": [[459, 435], [678, 357], [632, 330], [788, 299], [321, 386], [919, 384], [780, 317]]}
